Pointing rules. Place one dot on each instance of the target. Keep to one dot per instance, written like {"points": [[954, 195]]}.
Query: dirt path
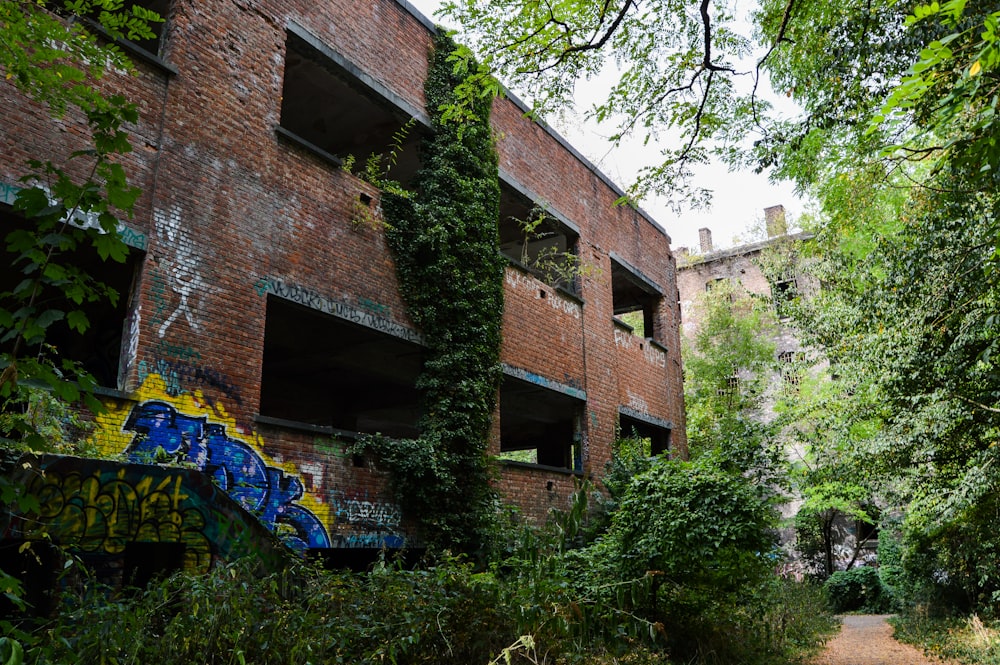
{"points": [[867, 640]]}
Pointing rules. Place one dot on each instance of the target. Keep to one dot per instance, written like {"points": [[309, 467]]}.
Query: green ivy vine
{"points": [[444, 237]]}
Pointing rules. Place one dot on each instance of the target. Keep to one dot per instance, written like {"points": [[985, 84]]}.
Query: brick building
{"points": [[769, 268], [261, 328]]}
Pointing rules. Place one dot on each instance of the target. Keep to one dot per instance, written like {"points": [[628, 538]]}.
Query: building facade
{"points": [[260, 327]]}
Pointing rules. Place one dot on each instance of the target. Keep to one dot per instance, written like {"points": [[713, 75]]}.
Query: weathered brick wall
{"points": [[231, 213]]}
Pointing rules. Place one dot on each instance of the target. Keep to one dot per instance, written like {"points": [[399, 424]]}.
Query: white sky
{"points": [[739, 198]]}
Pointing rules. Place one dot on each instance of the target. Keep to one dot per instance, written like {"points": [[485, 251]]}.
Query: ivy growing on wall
{"points": [[445, 240]]}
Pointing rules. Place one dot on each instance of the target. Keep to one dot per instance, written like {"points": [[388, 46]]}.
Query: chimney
{"points": [[705, 238], [775, 219]]}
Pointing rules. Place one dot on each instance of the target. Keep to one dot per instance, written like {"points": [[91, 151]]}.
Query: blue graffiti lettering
{"points": [[235, 467]]}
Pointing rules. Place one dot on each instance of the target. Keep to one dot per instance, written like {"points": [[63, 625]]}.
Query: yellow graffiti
{"points": [[111, 437]]}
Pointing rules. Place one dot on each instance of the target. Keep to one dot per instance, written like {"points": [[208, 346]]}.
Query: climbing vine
{"points": [[445, 240]]}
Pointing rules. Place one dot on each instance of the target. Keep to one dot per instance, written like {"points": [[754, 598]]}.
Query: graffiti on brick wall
{"points": [[518, 280], [99, 507], [188, 428], [181, 375], [288, 497], [266, 491], [186, 280], [368, 315]]}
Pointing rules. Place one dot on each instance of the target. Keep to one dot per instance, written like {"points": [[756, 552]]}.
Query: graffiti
{"points": [[539, 380], [368, 541], [8, 193], [517, 279], [234, 466], [130, 349], [102, 512], [167, 350], [187, 280], [317, 301], [655, 356], [565, 306], [359, 510], [623, 338], [180, 374], [374, 307], [637, 403], [158, 295], [131, 237]]}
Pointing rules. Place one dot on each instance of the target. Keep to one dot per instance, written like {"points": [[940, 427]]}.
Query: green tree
{"points": [[728, 367], [56, 60]]}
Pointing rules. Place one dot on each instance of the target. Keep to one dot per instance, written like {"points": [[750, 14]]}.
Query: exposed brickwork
{"points": [[230, 212]]}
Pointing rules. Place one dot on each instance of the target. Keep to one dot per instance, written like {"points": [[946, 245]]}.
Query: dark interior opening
{"points": [[539, 425], [634, 301], [655, 439], [323, 370], [536, 240], [329, 108], [784, 292], [147, 562], [98, 348]]}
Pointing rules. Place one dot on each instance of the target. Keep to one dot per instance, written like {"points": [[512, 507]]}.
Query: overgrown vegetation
{"points": [[445, 240], [969, 640], [572, 592]]}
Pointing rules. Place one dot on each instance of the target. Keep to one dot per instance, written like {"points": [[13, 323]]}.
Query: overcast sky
{"points": [[739, 198]]}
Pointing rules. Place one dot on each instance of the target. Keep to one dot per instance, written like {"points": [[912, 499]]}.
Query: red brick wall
{"points": [[228, 208]]}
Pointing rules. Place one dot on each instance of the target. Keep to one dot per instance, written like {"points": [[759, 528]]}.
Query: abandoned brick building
{"points": [[261, 326]]}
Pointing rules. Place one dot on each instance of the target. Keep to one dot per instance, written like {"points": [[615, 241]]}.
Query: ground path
{"points": [[867, 640]]}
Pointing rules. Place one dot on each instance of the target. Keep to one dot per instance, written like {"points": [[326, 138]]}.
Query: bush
{"points": [[858, 589]]}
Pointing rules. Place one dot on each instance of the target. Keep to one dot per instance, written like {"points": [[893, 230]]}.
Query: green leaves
{"points": [[444, 238]]}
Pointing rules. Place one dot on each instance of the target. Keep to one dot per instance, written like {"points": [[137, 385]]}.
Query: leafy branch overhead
{"points": [[56, 55]]}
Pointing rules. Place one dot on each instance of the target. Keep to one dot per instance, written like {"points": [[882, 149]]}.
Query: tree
{"points": [[728, 366], [56, 59]]}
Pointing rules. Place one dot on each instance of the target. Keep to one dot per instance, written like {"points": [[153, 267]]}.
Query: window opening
{"points": [[330, 110], [323, 370], [784, 292], [539, 425], [537, 241], [654, 439], [99, 348], [791, 370], [635, 301]]}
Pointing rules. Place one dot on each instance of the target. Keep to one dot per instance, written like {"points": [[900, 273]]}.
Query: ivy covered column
{"points": [[445, 239]]}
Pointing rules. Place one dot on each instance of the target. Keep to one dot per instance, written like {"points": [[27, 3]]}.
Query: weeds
{"points": [[967, 640]]}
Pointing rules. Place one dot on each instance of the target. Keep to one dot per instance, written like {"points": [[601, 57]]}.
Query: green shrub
{"points": [[967, 640], [858, 589]]}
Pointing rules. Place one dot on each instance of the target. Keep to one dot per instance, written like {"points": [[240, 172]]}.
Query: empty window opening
{"points": [[791, 366], [98, 349], [331, 110], [634, 299], [653, 439], [784, 292], [537, 241], [539, 425], [323, 370]]}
